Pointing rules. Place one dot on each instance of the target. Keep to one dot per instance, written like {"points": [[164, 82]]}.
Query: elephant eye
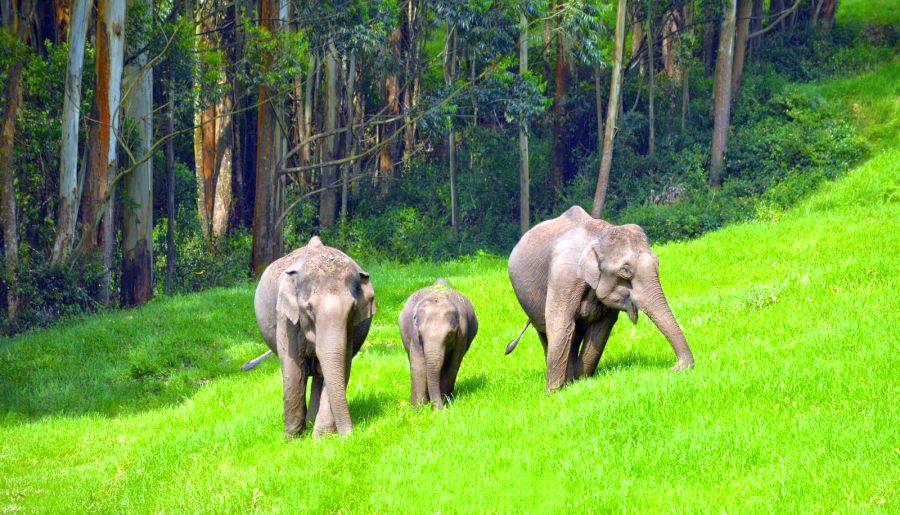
{"points": [[625, 272]]}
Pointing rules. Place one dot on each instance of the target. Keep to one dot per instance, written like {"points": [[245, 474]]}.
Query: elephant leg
{"points": [[558, 348], [418, 382], [594, 342], [325, 418], [451, 369], [293, 375], [574, 351], [560, 317], [543, 338], [315, 395]]}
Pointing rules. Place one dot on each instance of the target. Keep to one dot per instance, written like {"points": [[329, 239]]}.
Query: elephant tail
{"points": [[512, 345], [256, 361]]}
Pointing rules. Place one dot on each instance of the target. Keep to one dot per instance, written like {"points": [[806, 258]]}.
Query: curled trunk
{"points": [[654, 304]]}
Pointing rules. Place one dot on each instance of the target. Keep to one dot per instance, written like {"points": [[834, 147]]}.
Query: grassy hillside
{"points": [[794, 323]]}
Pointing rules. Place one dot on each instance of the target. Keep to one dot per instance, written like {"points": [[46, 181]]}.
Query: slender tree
{"points": [[612, 110], [741, 31], [17, 23], [98, 201], [267, 232], [136, 286], [722, 93], [328, 197], [560, 154], [451, 59], [524, 181], [67, 210], [346, 169], [651, 71]]}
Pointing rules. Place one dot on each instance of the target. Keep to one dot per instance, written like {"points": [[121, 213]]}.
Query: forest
{"points": [[172, 146]]}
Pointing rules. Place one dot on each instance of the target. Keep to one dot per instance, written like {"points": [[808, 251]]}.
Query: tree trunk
{"points": [[348, 136], [410, 45], [670, 42], [451, 59], [170, 188], [560, 154], [775, 8], [706, 53], [99, 198], [742, 28], [15, 15], [328, 197], [612, 110], [722, 94], [136, 286], [267, 233], [223, 199], [651, 71], [388, 131], [756, 16], [524, 181], [67, 212]]}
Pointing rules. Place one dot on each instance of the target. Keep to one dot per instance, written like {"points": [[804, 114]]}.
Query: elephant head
{"points": [[624, 274], [323, 296]]}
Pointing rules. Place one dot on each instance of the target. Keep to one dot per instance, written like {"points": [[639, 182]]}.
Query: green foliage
{"points": [[791, 404]]}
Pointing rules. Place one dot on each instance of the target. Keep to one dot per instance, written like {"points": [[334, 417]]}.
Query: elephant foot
{"points": [[682, 365], [319, 432]]}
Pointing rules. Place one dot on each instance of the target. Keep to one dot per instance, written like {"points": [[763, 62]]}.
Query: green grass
{"points": [[872, 99], [868, 12], [792, 405]]}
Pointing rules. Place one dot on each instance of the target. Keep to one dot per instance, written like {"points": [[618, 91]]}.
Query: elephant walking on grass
{"points": [[437, 326], [572, 275], [314, 307]]}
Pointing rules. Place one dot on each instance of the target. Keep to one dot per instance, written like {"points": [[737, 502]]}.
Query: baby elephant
{"points": [[437, 326]]}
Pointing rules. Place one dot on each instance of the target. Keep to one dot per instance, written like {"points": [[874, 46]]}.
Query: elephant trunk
{"points": [[653, 303], [434, 362], [331, 350]]}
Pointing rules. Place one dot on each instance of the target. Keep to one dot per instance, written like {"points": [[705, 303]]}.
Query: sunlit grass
{"points": [[792, 403]]}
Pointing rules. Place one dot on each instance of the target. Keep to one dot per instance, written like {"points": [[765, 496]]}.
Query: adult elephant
{"points": [[314, 307], [572, 275]]}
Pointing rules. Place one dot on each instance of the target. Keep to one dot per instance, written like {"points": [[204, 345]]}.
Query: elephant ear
{"points": [[367, 302], [589, 264], [289, 294]]}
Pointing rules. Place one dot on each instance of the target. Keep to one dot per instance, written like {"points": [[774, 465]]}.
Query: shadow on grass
{"points": [[130, 360], [367, 408], [469, 385], [632, 361]]}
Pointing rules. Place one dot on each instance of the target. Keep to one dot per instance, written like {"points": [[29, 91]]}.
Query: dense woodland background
{"points": [[170, 146]]}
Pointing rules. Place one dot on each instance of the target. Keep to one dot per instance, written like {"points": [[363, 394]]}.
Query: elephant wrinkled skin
{"points": [[314, 307], [572, 275], [437, 326]]}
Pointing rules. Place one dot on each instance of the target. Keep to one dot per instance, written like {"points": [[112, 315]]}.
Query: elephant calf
{"points": [[314, 307], [437, 326]]}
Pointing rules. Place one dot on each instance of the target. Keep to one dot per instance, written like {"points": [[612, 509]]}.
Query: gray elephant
{"points": [[437, 326], [572, 275], [314, 307]]}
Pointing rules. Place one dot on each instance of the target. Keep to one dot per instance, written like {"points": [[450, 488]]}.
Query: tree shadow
{"points": [[130, 360]]}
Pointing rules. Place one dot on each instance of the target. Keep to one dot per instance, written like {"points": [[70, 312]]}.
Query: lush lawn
{"points": [[795, 324]]}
